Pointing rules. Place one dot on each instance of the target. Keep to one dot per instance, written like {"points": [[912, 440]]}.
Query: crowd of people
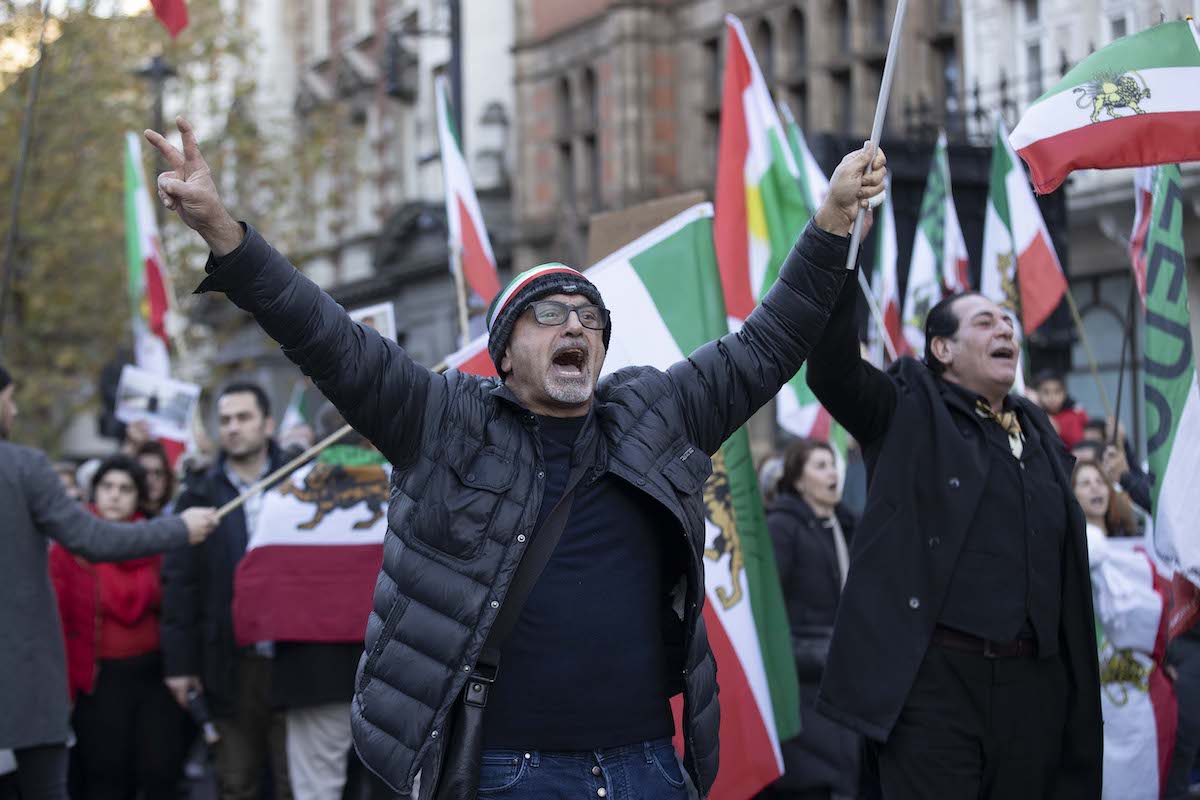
{"points": [[150, 658]]}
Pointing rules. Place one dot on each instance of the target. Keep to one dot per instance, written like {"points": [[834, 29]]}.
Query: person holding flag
{"points": [[964, 646], [545, 517]]}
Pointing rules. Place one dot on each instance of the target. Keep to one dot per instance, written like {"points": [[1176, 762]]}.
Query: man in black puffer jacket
{"points": [[479, 462]]}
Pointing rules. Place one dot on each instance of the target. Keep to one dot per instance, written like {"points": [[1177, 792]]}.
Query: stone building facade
{"points": [[619, 102]]}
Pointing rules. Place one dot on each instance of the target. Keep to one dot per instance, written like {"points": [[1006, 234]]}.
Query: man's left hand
{"points": [[851, 188]]}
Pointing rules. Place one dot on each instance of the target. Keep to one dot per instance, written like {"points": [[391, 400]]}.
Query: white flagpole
{"points": [[877, 313], [885, 90]]}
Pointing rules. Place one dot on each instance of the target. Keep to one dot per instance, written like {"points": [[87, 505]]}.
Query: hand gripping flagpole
{"points": [[885, 90], [295, 464]]}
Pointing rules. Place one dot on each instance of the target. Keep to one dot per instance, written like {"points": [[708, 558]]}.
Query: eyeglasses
{"points": [[552, 312]]}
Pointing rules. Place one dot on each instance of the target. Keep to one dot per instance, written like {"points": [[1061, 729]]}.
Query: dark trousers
{"points": [[976, 727], [1185, 655], [42, 772], [132, 738], [252, 738]]}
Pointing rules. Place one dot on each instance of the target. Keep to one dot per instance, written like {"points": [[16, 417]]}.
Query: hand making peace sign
{"points": [[188, 189]]}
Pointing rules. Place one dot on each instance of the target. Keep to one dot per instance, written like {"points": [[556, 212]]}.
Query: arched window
{"points": [[840, 22], [764, 50], [589, 127], [797, 43], [566, 155]]}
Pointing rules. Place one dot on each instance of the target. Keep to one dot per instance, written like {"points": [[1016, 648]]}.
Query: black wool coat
{"points": [[468, 481], [825, 754], [926, 471]]}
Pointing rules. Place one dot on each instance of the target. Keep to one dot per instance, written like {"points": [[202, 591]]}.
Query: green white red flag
{"points": [[939, 264], [173, 14], [1143, 199], [1172, 392], [669, 303], [1133, 103], [150, 292], [464, 220], [1020, 269], [885, 285]]}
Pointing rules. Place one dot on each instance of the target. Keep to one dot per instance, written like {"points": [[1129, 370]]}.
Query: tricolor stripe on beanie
{"points": [[518, 283]]}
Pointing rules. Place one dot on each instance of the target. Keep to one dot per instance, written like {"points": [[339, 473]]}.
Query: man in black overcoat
{"points": [[965, 647]]}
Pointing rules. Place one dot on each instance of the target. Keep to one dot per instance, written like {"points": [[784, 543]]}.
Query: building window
{"points": [[947, 11], [565, 125], [797, 39], [1117, 27], [1033, 69], [841, 26], [877, 23], [844, 98], [566, 156], [764, 51], [1031, 10], [591, 152], [951, 77], [711, 54]]}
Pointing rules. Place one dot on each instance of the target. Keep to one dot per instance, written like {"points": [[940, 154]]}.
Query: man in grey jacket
{"points": [[34, 713], [612, 627]]}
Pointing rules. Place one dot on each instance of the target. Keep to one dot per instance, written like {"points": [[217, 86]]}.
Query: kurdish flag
{"points": [[149, 285], [760, 207], [1133, 103], [1172, 394], [1020, 268], [468, 235], [671, 303], [768, 187], [939, 264], [310, 566]]}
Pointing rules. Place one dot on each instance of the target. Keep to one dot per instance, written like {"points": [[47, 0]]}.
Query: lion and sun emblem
{"points": [[1107, 92]]}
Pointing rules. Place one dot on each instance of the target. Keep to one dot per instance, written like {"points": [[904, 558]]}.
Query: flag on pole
{"points": [[468, 235], [311, 564], [1172, 394], [671, 303], [150, 291], [1143, 196], [813, 183], [1020, 268], [886, 286], [173, 14], [1133, 103], [760, 208]]}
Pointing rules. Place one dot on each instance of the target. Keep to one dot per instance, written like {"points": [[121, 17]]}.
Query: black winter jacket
{"points": [[197, 605], [468, 481], [926, 471], [825, 754]]}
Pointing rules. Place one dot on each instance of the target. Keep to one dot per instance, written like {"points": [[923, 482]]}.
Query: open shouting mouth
{"points": [[569, 362]]}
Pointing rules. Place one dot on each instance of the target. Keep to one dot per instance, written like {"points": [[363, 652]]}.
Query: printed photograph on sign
{"points": [[166, 404], [381, 317]]}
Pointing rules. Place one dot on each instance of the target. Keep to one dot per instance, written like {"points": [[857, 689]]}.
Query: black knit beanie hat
{"points": [[530, 285]]}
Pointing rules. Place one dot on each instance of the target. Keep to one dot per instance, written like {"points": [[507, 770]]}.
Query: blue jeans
{"points": [[646, 771]]}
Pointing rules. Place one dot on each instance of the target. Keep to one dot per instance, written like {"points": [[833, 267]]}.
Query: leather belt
{"points": [[966, 643]]}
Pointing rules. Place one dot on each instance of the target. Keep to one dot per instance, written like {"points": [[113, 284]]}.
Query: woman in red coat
{"points": [[131, 737]]}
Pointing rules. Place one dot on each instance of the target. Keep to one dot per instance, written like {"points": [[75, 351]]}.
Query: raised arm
{"points": [[373, 382], [858, 395], [724, 382], [66, 521]]}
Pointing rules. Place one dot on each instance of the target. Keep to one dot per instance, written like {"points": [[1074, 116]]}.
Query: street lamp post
{"points": [[157, 72]]}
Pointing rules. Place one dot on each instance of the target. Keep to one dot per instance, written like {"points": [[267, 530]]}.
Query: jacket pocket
{"points": [[395, 612], [457, 511], [688, 468]]}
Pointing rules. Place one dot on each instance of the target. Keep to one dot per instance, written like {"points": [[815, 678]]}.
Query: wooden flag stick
{"points": [[885, 91], [293, 465]]}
